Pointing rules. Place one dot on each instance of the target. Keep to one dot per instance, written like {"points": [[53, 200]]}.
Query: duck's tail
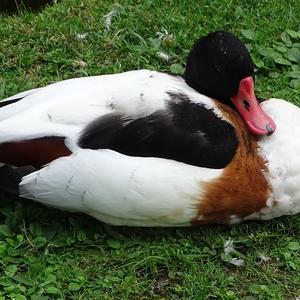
{"points": [[10, 177]]}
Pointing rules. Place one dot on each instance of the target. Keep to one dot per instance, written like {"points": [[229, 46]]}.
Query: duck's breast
{"points": [[281, 151]]}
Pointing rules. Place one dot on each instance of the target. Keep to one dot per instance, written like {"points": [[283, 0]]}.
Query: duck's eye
{"points": [[246, 105]]}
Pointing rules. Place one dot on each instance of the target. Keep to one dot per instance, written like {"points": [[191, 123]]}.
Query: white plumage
{"points": [[119, 189]]}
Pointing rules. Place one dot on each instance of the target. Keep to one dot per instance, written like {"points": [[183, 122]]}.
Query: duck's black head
{"points": [[220, 66]]}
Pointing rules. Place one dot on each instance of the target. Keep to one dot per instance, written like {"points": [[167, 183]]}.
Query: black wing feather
{"points": [[185, 132]]}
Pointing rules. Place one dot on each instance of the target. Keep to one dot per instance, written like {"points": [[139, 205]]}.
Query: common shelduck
{"points": [[144, 148]]}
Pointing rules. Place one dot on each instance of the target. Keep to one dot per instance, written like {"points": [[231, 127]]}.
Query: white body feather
{"points": [[120, 190]]}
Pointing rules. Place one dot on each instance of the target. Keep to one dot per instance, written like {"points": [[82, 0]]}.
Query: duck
{"points": [[147, 148]]}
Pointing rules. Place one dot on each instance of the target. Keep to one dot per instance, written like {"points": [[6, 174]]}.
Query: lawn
{"points": [[48, 254]]}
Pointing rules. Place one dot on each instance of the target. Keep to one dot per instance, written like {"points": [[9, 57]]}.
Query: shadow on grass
{"points": [[17, 6]]}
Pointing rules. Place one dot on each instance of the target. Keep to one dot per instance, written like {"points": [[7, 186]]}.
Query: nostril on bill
{"points": [[270, 130]]}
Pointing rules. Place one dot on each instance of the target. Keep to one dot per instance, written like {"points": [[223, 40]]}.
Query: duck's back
{"points": [[63, 108], [121, 91]]}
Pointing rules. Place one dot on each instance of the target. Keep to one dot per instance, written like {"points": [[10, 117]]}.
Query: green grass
{"points": [[47, 254]]}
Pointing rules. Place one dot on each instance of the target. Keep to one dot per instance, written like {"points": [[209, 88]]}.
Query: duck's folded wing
{"points": [[118, 189], [183, 131]]}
